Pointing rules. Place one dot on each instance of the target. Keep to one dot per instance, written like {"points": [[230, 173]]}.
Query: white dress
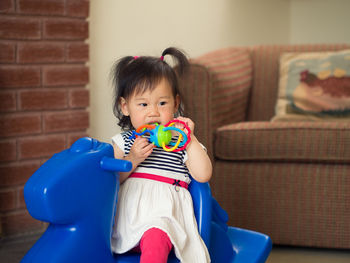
{"points": [[144, 204]]}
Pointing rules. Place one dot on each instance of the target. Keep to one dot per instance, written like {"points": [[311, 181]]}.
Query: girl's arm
{"points": [[198, 162], [140, 150]]}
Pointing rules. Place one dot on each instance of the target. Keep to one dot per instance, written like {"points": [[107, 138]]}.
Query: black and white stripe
{"points": [[159, 159]]}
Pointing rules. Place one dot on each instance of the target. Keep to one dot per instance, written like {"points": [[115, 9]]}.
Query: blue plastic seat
{"points": [[76, 192]]}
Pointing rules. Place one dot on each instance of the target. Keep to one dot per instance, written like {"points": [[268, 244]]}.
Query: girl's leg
{"points": [[155, 246]]}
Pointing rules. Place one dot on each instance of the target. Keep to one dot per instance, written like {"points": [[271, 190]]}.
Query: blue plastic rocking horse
{"points": [[76, 192]]}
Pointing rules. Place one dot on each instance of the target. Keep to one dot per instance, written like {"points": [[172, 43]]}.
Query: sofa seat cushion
{"points": [[284, 141]]}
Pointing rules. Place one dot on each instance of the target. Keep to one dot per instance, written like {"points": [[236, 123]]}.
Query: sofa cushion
{"points": [[265, 61], [284, 141], [314, 86]]}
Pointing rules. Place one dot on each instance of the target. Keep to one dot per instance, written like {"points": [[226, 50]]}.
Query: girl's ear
{"points": [[124, 106]]}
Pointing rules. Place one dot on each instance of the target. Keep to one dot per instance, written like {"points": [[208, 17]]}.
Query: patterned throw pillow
{"points": [[314, 86]]}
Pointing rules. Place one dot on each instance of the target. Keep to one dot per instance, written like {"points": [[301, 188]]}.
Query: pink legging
{"points": [[155, 246]]}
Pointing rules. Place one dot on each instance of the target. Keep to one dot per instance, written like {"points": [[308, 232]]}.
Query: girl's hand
{"points": [[140, 150], [188, 122]]}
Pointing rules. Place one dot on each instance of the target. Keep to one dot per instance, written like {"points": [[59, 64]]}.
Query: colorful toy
{"points": [[161, 135], [76, 191]]}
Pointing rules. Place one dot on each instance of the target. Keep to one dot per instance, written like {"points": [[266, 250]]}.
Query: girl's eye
{"points": [[143, 104], [162, 103]]}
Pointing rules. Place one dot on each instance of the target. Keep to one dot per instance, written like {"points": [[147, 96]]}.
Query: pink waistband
{"points": [[160, 179]]}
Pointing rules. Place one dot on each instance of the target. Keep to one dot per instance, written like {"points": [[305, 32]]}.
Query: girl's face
{"points": [[149, 107]]}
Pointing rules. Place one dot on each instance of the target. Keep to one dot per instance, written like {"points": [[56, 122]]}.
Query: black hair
{"points": [[138, 74]]}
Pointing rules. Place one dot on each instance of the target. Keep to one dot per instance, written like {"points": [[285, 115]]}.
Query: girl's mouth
{"points": [[153, 123]]}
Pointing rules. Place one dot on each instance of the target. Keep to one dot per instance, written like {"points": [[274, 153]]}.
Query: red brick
{"points": [[7, 6], [19, 28], [77, 52], [40, 7], [7, 54], [41, 146], [17, 173], [20, 199], [43, 99], [19, 222], [68, 29], [65, 75], [8, 101], [8, 198], [79, 98], [19, 124], [8, 150], [66, 121], [75, 136], [40, 52], [77, 8], [19, 76]]}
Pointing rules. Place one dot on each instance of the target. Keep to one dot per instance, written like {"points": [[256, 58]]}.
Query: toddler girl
{"points": [[155, 211]]}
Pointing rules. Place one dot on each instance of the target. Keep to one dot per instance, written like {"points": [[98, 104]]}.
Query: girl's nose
{"points": [[154, 111]]}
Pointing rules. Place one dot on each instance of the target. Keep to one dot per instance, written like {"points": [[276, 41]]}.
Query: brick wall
{"points": [[43, 98]]}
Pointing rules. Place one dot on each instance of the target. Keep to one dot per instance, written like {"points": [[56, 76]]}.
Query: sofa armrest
{"points": [[216, 91]]}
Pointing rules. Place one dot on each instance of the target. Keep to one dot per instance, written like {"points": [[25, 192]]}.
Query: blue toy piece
{"points": [[76, 192]]}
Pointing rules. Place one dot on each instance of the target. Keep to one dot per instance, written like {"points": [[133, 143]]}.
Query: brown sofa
{"points": [[290, 180]]}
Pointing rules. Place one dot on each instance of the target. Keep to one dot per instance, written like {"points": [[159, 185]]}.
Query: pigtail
{"points": [[180, 59], [181, 68], [118, 69], [117, 75]]}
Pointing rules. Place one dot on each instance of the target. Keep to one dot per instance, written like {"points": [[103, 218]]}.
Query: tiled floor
{"points": [[11, 251]]}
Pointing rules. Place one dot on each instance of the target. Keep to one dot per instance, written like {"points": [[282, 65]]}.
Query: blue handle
{"points": [[116, 165]]}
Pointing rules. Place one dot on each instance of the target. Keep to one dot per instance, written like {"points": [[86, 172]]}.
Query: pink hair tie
{"points": [[136, 57], [161, 58]]}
